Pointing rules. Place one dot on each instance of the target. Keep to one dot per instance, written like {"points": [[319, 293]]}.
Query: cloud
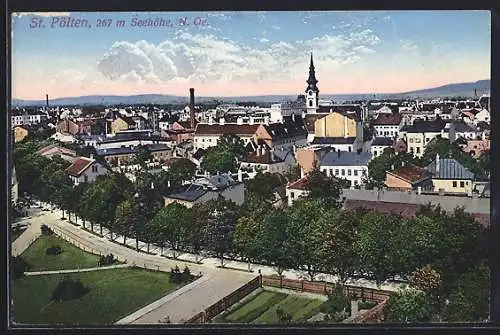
{"points": [[208, 58], [45, 14], [408, 45], [276, 27]]}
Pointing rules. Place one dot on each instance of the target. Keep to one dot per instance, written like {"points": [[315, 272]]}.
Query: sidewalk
{"points": [[26, 238], [38, 273]]}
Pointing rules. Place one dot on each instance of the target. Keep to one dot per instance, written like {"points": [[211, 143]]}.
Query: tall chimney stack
{"points": [[191, 107]]}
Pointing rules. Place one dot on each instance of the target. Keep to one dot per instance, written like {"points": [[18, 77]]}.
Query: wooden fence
{"points": [[226, 302], [322, 287]]}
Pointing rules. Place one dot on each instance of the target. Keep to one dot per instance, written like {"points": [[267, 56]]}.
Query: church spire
{"points": [[312, 81]]}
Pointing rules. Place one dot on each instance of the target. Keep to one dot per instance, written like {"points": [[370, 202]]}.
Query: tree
{"points": [[409, 306], [337, 306], [125, 218], [337, 243], [375, 245], [426, 280], [272, 242], [220, 225], [196, 230], [143, 155], [308, 220], [293, 173], [323, 187], [469, 300], [264, 184], [243, 237], [173, 222], [216, 160], [181, 170], [233, 144]]}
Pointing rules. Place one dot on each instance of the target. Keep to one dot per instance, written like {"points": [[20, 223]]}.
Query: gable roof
{"points": [[420, 126], [449, 168], [301, 184], [199, 153], [333, 140], [411, 173], [266, 158], [79, 166], [383, 141], [388, 119], [462, 127], [289, 128], [218, 129], [345, 158], [189, 194]]}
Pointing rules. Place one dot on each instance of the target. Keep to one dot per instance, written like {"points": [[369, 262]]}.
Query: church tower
{"points": [[312, 90]]}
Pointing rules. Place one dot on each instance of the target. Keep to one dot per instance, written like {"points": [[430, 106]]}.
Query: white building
{"points": [[85, 170], [388, 125], [269, 160], [379, 144], [26, 118], [206, 135], [460, 129], [352, 166], [296, 190], [420, 133]]}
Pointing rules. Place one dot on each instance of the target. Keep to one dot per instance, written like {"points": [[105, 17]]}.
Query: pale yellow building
{"points": [[449, 176], [336, 125]]}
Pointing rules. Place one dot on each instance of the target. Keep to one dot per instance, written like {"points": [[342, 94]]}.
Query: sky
{"points": [[245, 53]]}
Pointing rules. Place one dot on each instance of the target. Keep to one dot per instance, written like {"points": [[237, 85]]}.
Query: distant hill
{"points": [[460, 89], [451, 90]]}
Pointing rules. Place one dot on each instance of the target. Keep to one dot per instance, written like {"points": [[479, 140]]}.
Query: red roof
{"points": [[218, 129], [88, 122], [79, 166], [411, 174], [301, 184], [388, 119]]}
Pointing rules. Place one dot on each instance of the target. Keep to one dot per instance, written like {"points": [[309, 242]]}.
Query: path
{"points": [[28, 236], [39, 273]]}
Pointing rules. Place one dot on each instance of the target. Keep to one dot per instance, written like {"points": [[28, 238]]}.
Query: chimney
{"points": [[437, 163], [191, 107], [47, 101]]}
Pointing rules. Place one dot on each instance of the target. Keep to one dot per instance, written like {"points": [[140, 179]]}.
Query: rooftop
{"points": [[301, 184], [448, 168], [333, 140], [411, 174], [345, 158], [218, 129], [388, 119], [130, 150], [79, 166], [420, 126], [188, 194], [383, 141]]}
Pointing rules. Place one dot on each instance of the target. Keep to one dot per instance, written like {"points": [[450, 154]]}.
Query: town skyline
{"points": [[225, 55]]}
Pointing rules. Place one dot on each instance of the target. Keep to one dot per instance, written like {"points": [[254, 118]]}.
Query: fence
{"points": [[226, 302], [372, 314], [322, 287]]}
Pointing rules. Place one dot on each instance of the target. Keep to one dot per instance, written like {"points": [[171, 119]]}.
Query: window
{"points": [[418, 150], [336, 172], [350, 149], [310, 103], [85, 178], [343, 172], [355, 182], [94, 168], [331, 172], [292, 195], [462, 184], [375, 153], [349, 172], [454, 184], [411, 140], [355, 172]]}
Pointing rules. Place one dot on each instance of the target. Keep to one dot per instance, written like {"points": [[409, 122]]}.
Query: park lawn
{"points": [[254, 307], [299, 308], [70, 258], [114, 294], [261, 308]]}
